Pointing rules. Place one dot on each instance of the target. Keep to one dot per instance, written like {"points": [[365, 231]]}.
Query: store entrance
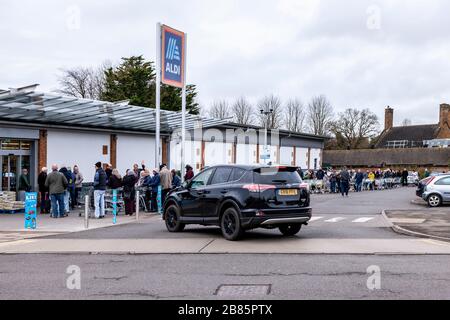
{"points": [[15, 155]]}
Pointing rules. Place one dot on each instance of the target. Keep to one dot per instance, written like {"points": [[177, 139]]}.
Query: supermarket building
{"points": [[39, 129]]}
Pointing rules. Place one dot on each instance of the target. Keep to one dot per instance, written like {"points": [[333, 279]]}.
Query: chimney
{"points": [[388, 118], [444, 121], [444, 115]]}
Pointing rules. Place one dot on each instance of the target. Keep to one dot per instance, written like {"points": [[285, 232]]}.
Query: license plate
{"points": [[288, 192]]}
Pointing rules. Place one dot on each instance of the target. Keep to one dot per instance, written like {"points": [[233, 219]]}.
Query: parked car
{"points": [[435, 190], [240, 198]]}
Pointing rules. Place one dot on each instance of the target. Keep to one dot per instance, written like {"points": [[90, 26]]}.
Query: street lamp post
{"points": [[266, 112]]}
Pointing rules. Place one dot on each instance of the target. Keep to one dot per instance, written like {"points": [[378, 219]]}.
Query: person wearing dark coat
{"points": [[129, 192], [405, 175], [71, 184], [176, 180], [359, 181], [43, 191], [115, 180], [154, 183], [108, 171], [189, 173], [345, 182], [100, 181]]}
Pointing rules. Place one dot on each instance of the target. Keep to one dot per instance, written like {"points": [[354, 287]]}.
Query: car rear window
{"points": [[443, 182], [276, 176], [236, 174], [221, 175]]}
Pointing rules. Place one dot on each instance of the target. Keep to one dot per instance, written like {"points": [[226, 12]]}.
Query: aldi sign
{"points": [[172, 57]]}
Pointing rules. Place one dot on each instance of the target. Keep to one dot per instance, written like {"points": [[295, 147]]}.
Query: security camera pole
{"points": [[266, 112]]}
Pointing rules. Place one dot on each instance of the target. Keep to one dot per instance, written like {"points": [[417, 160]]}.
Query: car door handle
{"points": [[224, 191], [203, 192]]}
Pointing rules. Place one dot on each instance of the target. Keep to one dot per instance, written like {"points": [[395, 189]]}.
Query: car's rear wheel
{"points": [[434, 201], [230, 224], [290, 230], [172, 218]]}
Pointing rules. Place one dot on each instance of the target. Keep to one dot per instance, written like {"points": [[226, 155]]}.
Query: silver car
{"points": [[435, 190]]}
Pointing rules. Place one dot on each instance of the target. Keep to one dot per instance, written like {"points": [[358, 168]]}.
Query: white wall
{"points": [[218, 153], [302, 158], [77, 148], [246, 154], [192, 155], [133, 149], [286, 156], [273, 154], [315, 154]]}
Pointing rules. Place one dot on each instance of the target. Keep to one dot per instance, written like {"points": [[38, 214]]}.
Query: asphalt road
{"points": [[334, 218], [198, 276]]}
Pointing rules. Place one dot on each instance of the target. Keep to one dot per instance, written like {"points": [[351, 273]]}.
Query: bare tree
{"points": [[275, 118], [320, 115], [242, 111], [406, 123], [354, 127], [220, 110], [295, 116], [81, 82]]}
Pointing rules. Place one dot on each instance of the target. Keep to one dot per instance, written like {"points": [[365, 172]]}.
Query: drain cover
{"points": [[240, 290]]}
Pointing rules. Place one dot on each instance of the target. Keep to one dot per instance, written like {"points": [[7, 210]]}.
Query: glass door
{"points": [[9, 172]]}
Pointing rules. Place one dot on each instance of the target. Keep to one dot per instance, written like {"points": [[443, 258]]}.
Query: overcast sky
{"points": [[362, 54]]}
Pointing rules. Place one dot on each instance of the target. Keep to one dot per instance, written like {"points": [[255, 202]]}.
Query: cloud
{"points": [[360, 53]]}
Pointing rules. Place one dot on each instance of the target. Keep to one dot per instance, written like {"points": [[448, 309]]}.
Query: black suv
{"points": [[239, 198]]}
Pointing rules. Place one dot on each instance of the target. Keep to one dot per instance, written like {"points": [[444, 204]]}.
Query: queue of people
{"points": [[343, 180], [60, 189], [138, 178]]}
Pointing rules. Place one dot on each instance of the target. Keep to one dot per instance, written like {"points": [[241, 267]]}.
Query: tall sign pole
{"points": [[173, 71], [183, 110], [158, 94]]}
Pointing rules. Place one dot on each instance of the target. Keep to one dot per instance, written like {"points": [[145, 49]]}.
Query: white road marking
{"points": [[407, 220], [315, 219], [362, 220], [334, 220]]}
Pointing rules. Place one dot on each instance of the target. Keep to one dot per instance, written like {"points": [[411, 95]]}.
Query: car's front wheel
{"points": [[172, 218], [230, 224], [434, 201], [290, 230]]}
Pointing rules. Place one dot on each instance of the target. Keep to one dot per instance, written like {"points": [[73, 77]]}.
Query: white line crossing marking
{"points": [[362, 220], [334, 220], [315, 219]]}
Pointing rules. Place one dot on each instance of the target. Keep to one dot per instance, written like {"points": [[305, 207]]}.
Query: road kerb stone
{"points": [[406, 231]]}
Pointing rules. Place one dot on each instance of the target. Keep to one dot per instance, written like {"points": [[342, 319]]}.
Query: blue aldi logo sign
{"points": [[173, 57]]}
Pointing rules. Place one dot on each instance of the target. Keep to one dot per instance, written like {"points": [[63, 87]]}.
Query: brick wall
{"points": [[42, 149], [113, 151]]}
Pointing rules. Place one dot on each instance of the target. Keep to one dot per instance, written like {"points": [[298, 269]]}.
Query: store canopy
{"points": [[27, 105]]}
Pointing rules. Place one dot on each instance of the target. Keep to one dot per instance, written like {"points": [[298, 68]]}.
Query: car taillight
{"points": [[305, 186], [258, 187]]}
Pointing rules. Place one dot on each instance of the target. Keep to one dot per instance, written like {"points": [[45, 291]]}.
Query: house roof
{"points": [[416, 134], [388, 157]]}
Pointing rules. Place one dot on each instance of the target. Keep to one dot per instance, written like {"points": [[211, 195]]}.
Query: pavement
{"points": [[426, 223], [12, 225]]}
